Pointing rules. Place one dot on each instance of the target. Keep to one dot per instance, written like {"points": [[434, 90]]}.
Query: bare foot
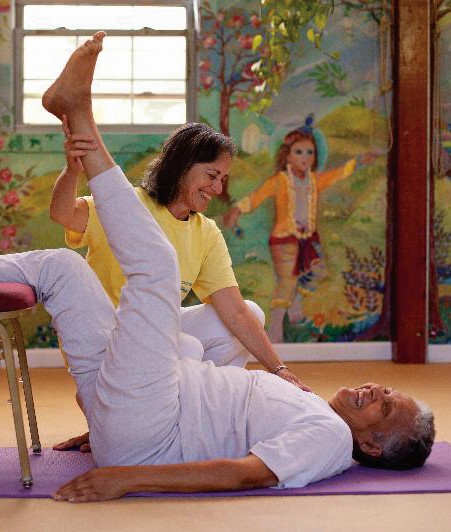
{"points": [[72, 89]]}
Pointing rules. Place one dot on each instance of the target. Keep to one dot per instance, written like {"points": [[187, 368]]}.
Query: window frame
{"points": [[190, 33]]}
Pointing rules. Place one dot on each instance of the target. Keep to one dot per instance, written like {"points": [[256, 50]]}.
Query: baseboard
{"points": [[42, 358], [328, 351], [320, 352], [439, 353]]}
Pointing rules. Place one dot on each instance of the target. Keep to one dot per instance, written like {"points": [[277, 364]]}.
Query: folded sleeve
{"points": [[216, 271], [76, 240], [306, 454]]}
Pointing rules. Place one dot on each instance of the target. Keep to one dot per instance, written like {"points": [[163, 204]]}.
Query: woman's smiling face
{"points": [[202, 182]]}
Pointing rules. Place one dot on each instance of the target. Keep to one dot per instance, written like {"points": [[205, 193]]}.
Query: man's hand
{"points": [[82, 442], [99, 484], [289, 377]]}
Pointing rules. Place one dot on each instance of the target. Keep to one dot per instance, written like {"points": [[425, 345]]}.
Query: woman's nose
{"points": [[217, 187]]}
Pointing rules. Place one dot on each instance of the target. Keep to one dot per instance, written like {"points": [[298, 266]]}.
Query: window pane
{"points": [[159, 87], [45, 57], [34, 113], [159, 111], [150, 63], [111, 17], [112, 86], [112, 110], [115, 61], [138, 79]]}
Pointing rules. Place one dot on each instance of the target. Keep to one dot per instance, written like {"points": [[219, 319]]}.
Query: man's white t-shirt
{"points": [[229, 412]]}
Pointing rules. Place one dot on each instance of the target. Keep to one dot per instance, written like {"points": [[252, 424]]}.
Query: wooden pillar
{"points": [[410, 175]]}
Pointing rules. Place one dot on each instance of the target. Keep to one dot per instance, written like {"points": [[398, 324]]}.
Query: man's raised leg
{"points": [[135, 413]]}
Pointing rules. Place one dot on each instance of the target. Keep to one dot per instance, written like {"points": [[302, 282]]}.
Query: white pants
{"points": [[124, 360], [205, 337]]}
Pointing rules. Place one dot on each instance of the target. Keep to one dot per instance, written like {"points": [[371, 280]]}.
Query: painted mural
{"points": [[309, 245], [308, 107], [440, 320]]}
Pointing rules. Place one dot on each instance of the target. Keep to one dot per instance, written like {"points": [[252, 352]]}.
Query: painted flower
{"points": [[9, 231], [209, 41], [204, 64], [236, 21], [246, 41], [319, 320], [255, 21], [11, 198], [248, 72], [5, 175], [207, 82], [241, 103], [5, 244], [220, 16]]}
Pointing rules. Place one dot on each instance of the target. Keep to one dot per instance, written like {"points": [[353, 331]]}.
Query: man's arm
{"points": [[242, 322], [214, 475]]}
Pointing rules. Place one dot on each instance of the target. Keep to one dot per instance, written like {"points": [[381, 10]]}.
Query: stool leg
{"points": [[27, 479], [36, 444]]}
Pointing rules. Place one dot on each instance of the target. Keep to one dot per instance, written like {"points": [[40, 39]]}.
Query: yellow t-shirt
{"points": [[205, 263]]}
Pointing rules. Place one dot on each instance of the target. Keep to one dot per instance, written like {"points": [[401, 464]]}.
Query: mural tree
{"points": [[246, 56], [227, 58]]}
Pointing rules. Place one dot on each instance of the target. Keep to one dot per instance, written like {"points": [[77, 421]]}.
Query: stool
{"points": [[16, 301]]}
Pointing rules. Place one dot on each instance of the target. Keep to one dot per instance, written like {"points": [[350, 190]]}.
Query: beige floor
{"points": [[58, 417]]}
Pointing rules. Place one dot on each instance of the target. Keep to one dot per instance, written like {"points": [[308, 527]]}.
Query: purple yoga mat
{"points": [[51, 469]]}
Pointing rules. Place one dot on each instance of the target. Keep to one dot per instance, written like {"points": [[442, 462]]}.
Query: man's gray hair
{"points": [[403, 449]]}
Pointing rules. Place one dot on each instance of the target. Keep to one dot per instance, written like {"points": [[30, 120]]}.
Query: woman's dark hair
{"points": [[288, 141], [186, 146]]}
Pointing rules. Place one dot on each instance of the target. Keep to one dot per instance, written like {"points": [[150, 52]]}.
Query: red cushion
{"points": [[16, 296]]}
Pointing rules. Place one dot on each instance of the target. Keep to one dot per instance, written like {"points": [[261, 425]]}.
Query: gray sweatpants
{"points": [[124, 360]]}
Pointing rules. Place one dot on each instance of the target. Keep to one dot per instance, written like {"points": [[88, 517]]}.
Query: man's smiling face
{"points": [[373, 408]]}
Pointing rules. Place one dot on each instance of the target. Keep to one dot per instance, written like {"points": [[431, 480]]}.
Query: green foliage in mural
{"points": [[5, 27], [14, 188], [247, 56], [287, 24], [442, 248], [6, 119], [43, 337], [314, 330], [330, 80], [24, 142], [357, 102], [364, 286], [373, 10]]}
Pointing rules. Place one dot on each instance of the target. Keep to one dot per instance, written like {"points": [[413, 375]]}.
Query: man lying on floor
{"points": [[158, 423]]}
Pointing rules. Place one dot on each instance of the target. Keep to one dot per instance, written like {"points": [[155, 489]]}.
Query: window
{"points": [[144, 77]]}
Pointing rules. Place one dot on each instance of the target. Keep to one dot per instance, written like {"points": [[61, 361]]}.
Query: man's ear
{"points": [[369, 446]]}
